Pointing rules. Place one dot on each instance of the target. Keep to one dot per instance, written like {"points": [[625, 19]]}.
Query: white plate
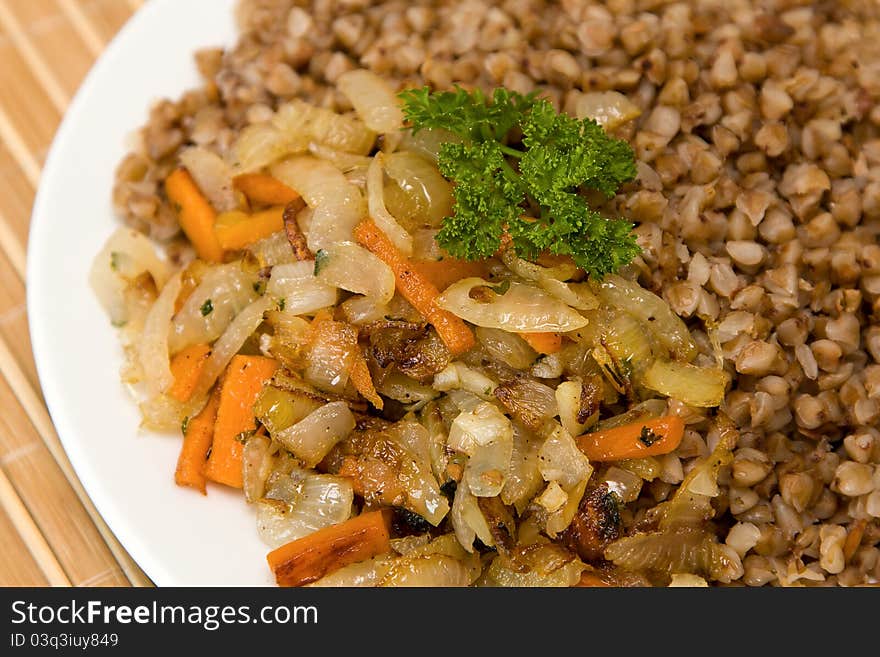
{"points": [[177, 536]]}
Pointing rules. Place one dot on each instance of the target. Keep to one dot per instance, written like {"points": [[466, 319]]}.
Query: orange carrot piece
{"points": [[543, 343], [310, 558], [443, 273], [236, 229], [416, 289], [363, 382], [186, 366], [235, 415], [632, 441], [854, 539], [263, 189], [196, 442], [196, 215]]}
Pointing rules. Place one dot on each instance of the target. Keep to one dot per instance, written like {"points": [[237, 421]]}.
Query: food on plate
{"points": [[520, 293]]}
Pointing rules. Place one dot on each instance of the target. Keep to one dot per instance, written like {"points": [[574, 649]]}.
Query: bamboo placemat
{"points": [[50, 532]]}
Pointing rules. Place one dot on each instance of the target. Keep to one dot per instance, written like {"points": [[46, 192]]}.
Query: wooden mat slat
{"points": [[13, 141], [49, 498], [13, 321], [30, 535], [31, 406], [17, 194], [11, 245], [14, 331], [27, 105], [86, 29], [109, 15], [56, 42], [17, 566], [23, 43], [50, 532]]}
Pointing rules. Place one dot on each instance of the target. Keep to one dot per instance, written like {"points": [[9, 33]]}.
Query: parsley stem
{"points": [[512, 152]]}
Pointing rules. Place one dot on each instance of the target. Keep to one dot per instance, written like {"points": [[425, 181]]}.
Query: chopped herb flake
{"points": [[207, 307], [609, 525], [321, 258], [648, 437]]}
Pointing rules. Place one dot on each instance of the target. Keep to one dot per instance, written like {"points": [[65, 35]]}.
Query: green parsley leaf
{"points": [[516, 157], [486, 198], [207, 308], [466, 114]]}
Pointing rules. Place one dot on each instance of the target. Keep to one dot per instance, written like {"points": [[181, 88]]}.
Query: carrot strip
{"points": [[310, 558], [543, 343], [186, 367], [235, 415], [631, 441], [854, 539], [416, 289], [196, 442], [195, 214], [236, 229], [263, 189], [363, 382], [443, 273]]}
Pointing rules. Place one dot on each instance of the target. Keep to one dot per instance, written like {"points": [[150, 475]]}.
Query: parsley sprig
{"points": [[520, 167]]}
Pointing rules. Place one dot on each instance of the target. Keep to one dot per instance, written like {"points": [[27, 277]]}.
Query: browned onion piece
{"points": [[542, 564], [500, 520], [595, 525], [257, 465], [385, 471], [415, 349], [680, 550], [294, 234], [527, 400]]}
